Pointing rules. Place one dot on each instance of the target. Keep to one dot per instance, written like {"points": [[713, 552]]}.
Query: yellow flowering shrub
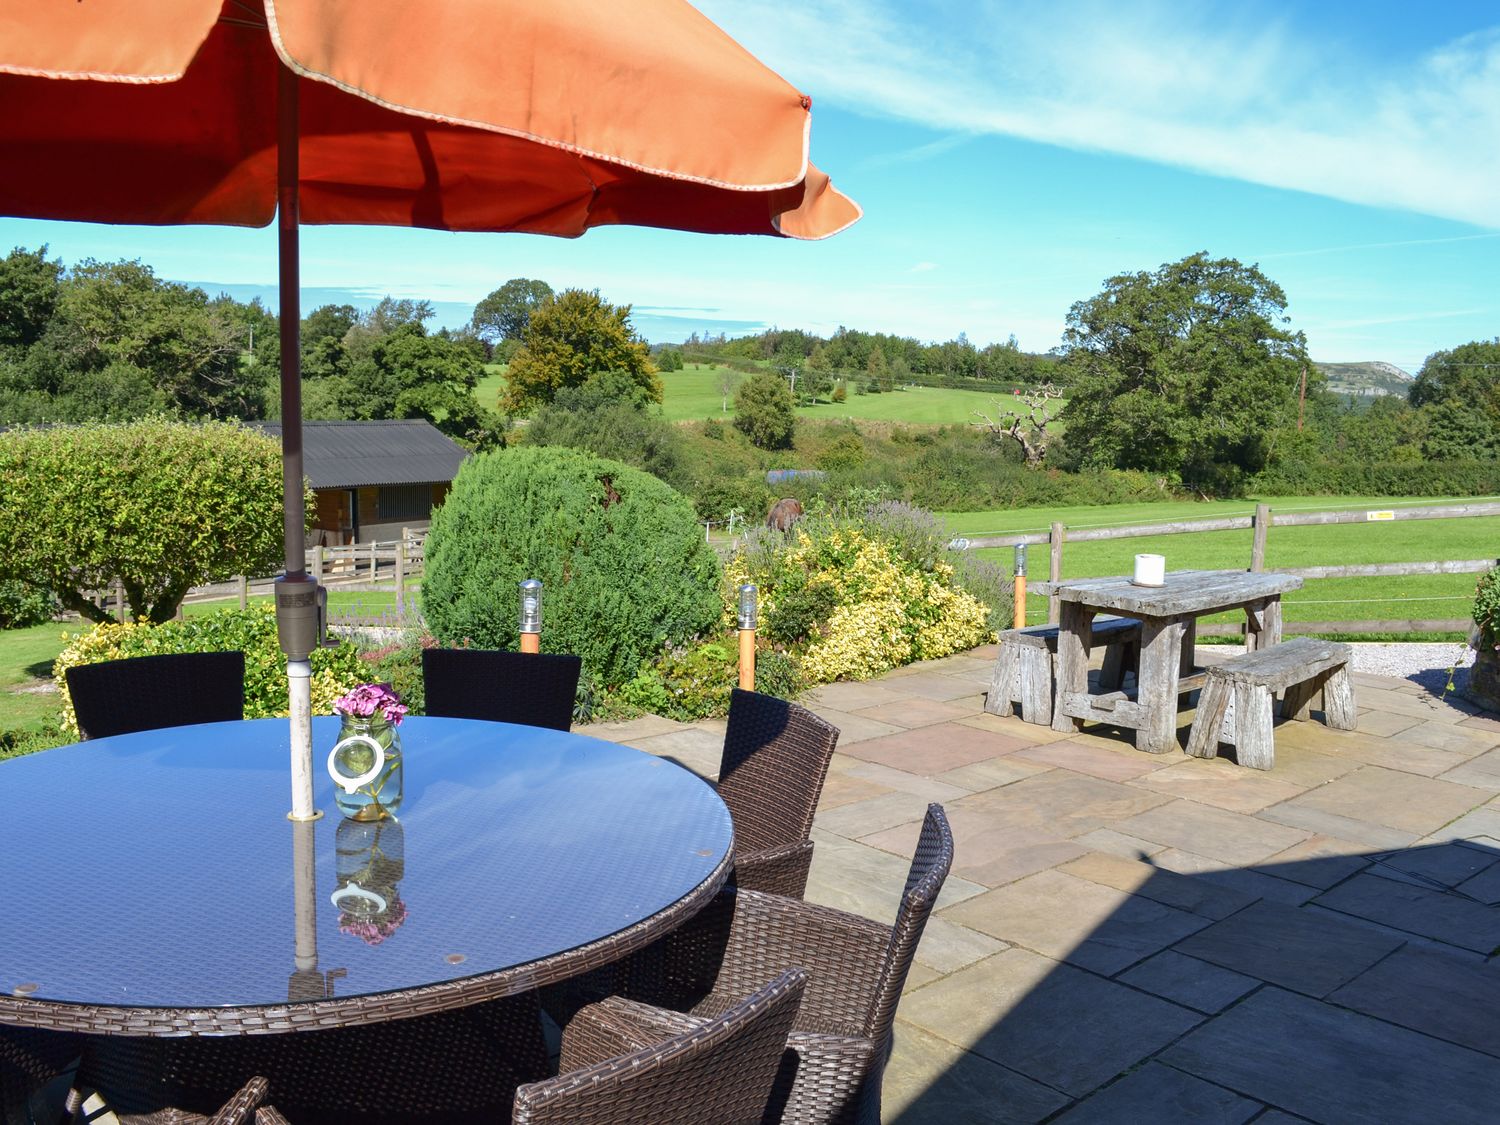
{"points": [[252, 631], [848, 605]]}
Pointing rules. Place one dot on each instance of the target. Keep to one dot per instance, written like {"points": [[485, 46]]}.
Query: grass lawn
{"points": [[1325, 599], [26, 657]]}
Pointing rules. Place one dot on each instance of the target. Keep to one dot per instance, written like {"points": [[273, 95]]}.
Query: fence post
{"points": [[374, 548], [317, 563], [1258, 547], [244, 585], [119, 600], [401, 573], [1054, 603]]}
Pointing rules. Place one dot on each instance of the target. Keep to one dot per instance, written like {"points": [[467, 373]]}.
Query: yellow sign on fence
{"points": [[1386, 515]]}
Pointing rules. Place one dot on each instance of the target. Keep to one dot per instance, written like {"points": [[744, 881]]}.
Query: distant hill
{"points": [[1371, 378]]}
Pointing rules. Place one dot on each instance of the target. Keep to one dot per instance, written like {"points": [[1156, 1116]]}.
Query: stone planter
{"points": [[1483, 687]]}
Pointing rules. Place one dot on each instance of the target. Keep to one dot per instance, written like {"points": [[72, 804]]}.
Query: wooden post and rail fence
{"points": [[1261, 523]]}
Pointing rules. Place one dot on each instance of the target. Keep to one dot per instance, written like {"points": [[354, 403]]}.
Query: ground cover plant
{"points": [[1432, 596]]}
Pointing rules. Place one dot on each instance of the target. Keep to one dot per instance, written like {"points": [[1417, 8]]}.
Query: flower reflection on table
{"points": [[371, 859]]}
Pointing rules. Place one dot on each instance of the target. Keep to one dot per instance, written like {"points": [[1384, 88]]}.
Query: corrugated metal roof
{"points": [[358, 454]]}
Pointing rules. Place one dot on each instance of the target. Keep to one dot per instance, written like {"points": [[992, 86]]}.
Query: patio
{"points": [[1128, 937]]}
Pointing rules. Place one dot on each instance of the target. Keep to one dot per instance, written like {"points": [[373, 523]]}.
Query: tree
{"points": [[1187, 371], [1028, 430], [410, 374], [29, 286], [571, 337], [159, 505], [612, 416], [729, 379], [1458, 394], [504, 314], [669, 359], [763, 411]]}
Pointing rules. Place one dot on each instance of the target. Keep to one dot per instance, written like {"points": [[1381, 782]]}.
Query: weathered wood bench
{"points": [[1023, 668], [1300, 668]]}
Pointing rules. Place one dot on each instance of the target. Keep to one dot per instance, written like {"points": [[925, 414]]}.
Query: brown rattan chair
{"points": [[775, 760], [535, 689], [33, 1064], [243, 1108], [628, 1062], [152, 692], [856, 968]]}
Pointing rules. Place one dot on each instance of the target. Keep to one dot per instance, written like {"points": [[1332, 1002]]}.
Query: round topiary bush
{"points": [[620, 555]]}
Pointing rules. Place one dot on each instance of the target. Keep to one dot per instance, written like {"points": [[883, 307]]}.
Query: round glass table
{"points": [[155, 887]]}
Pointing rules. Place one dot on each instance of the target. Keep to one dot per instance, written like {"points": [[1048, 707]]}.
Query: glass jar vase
{"points": [[366, 768]]}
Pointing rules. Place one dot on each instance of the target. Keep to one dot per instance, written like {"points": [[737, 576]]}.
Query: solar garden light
{"points": [[1020, 594], [747, 637], [531, 616]]}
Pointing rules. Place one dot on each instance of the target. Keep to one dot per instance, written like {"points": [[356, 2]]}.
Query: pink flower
{"points": [[367, 699], [372, 932]]}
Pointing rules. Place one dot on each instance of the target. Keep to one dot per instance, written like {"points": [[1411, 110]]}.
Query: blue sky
{"points": [[1012, 156]]}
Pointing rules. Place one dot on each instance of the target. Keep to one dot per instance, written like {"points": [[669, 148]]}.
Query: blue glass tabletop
{"points": [[158, 869]]}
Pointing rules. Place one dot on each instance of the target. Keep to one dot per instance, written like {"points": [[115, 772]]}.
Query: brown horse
{"points": [[784, 513]]}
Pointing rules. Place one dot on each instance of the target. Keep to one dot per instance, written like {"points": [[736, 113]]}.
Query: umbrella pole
{"points": [[298, 598]]}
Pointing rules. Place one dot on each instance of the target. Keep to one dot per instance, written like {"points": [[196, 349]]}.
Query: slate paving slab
{"points": [[1297, 949], [1332, 1065], [1417, 910], [1054, 1023], [930, 1081], [1252, 882], [1156, 1094], [1441, 866], [1190, 982], [1319, 861]]}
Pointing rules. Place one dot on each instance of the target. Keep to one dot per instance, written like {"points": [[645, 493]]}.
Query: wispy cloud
{"points": [[1228, 92], [923, 267], [1375, 246], [918, 153]]}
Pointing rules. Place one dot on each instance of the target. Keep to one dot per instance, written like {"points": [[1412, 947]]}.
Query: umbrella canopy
{"points": [[478, 115], [475, 115]]}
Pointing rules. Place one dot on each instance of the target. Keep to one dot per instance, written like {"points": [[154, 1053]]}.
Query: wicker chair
{"points": [[243, 1108], [623, 1061], [776, 757], [535, 689], [152, 692], [840, 1041], [33, 1064]]}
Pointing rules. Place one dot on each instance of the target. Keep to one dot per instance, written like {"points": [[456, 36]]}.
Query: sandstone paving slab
{"points": [[1417, 910], [1439, 866], [1220, 783], [1422, 706], [843, 788], [1183, 892], [1383, 723], [1010, 724], [1481, 722], [918, 975], [1320, 861], [991, 774], [1190, 982], [947, 947], [917, 712], [1450, 736], [987, 849], [935, 685], [697, 750], [1254, 882], [1070, 919], [930, 1081], [1110, 764], [1061, 802], [631, 729], [852, 695], [1407, 756], [1332, 1065], [1217, 833], [1052, 1022], [1375, 837], [853, 728], [874, 814], [1117, 843], [1388, 797], [1158, 1093], [1309, 765], [1433, 992], [1482, 826], [864, 880], [1481, 771], [1297, 949], [897, 780], [935, 749]]}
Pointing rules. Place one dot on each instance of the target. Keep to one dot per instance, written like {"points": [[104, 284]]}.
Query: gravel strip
{"points": [[1423, 664]]}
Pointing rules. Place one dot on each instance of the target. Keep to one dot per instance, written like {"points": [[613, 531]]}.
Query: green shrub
{"points": [[23, 605], [620, 555], [1487, 607], [763, 411], [1390, 478], [400, 665], [251, 631], [846, 452]]}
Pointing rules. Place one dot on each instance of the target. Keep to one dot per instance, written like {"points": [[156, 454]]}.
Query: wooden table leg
{"points": [[1161, 662], [1265, 624], [1189, 645], [1073, 633]]}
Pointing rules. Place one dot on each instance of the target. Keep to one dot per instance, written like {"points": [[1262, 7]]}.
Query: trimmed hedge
{"points": [[620, 555], [1396, 478]]}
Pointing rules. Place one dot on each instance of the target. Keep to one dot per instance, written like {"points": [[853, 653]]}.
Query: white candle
{"points": [[1150, 570]]}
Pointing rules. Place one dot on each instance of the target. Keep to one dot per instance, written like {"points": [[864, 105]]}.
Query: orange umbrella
{"points": [[481, 115]]}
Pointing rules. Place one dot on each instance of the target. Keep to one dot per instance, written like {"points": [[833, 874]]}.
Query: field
{"points": [[694, 393], [1324, 599]]}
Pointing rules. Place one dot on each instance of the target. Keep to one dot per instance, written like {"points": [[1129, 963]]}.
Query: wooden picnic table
{"points": [[1168, 616]]}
